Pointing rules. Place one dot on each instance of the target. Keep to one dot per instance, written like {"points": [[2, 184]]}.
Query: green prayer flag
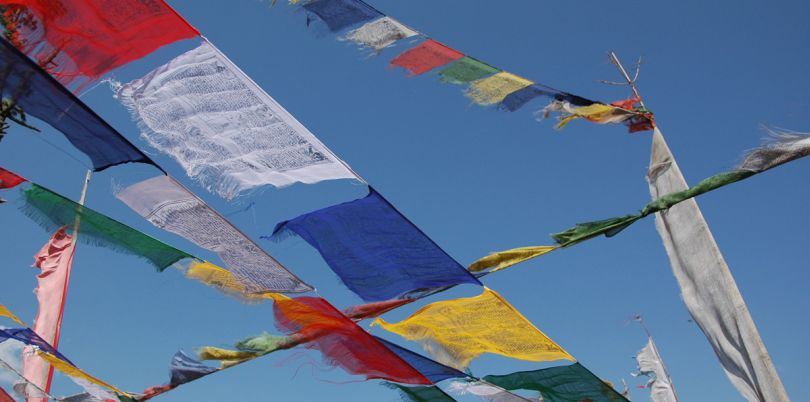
{"points": [[466, 69], [52, 211], [429, 393], [560, 384], [264, 343]]}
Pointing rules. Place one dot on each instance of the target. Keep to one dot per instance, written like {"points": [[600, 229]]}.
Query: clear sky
{"points": [[475, 179]]}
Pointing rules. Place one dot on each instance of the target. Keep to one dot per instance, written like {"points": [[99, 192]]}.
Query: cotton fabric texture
{"points": [[494, 89], [224, 130], [379, 34], [707, 286], [92, 37], [651, 365], [560, 384], [455, 332], [39, 95], [341, 14], [377, 252], [169, 206], [425, 57]]}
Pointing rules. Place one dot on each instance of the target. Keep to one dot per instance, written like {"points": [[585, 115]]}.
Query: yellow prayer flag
{"points": [[4, 312], [226, 357], [597, 113], [457, 331], [507, 258], [73, 371], [491, 90], [220, 278]]}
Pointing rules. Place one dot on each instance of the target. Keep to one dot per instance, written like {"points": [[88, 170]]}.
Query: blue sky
{"points": [[475, 179]]}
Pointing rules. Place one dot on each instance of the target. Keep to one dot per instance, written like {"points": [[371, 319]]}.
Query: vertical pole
{"points": [[76, 224]]}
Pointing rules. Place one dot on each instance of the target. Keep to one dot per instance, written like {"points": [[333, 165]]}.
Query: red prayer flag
{"points": [[425, 57], [5, 397], [9, 179], [375, 309], [75, 39], [341, 341]]}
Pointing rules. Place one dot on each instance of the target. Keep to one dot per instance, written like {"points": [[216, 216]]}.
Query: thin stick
{"points": [[76, 225], [615, 60]]}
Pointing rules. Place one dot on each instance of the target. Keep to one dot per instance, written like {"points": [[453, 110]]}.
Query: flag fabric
{"points": [[425, 57], [5, 397], [505, 259], [53, 211], [224, 130], [54, 261], [185, 369], [77, 374], [707, 286], [521, 97], [223, 280], [29, 337], [341, 341], [432, 370], [9, 179], [559, 384], [4, 312], [484, 391], [465, 70], [374, 309], [39, 95], [78, 41], [429, 393], [457, 331], [494, 89], [341, 14], [651, 365], [379, 34], [377, 252], [169, 206]]}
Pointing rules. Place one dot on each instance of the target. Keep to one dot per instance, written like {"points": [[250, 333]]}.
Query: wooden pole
{"points": [[76, 225]]}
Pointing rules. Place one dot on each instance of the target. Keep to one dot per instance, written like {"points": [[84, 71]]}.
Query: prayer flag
{"points": [[432, 370], [377, 252], [492, 90], [39, 95], [169, 206], [371, 310], [707, 286], [466, 69], [224, 130], [457, 331], [559, 384], [379, 34], [429, 393], [74, 372], [521, 97], [425, 57], [340, 14], [4, 312], [79, 40], [505, 259], [185, 369], [9, 179], [651, 365]]}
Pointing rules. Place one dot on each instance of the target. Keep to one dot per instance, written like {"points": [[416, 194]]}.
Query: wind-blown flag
{"points": [[32, 89], [505, 259], [341, 14], [10, 179], [707, 286], [375, 250], [169, 206], [379, 34], [425, 57], [54, 260], [560, 384], [457, 331], [78, 41], [429, 393], [492, 90], [651, 365], [341, 341], [224, 130], [5, 397], [4, 312], [432, 370], [466, 70]]}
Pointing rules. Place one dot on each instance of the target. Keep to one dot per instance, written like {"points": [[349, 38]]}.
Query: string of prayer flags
{"points": [[183, 369], [651, 366], [341, 341], [783, 149], [425, 393], [9, 179], [29, 337], [169, 206], [432, 370], [457, 331], [488, 85], [425, 57], [379, 34], [341, 14], [505, 259], [54, 261], [377, 252], [77, 374], [559, 384], [27, 86], [707, 286], [225, 131], [78, 41]]}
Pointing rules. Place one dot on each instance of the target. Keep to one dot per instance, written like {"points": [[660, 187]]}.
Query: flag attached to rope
{"points": [[171, 207], [432, 370], [379, 34], [224, 130], [341, 14], [559, 384], [651, 365], [505, 259], [425, 57], [493, 90], [377, 252], [78, 41], [4, 312], [54, 261], [457, 331], [37, 94], [707, 286], [341, 341], [428, 393], [10, 179]]}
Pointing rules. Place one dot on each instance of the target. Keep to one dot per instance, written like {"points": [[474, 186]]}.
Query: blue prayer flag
{"points": [[521, 97], [38, 94], [340, 14], [185, 369], [432, 370], [377, 252], [29, 337]]}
